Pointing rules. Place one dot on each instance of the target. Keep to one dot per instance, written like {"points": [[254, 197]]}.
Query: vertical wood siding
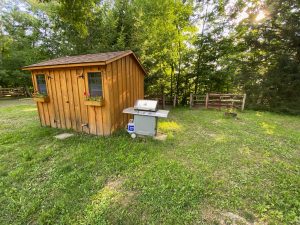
{"points": [[122, 84], [127, 85]]}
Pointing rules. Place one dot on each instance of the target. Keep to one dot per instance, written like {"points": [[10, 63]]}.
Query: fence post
{"points": [[191, 100], [244, 101], [163, 101], [206, 100], [175, 100]]}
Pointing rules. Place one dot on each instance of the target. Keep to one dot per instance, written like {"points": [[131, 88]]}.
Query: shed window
{"points": [[41, 84], [95, 84]]}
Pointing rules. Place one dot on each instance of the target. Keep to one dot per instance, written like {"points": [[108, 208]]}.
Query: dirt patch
{"points": [[120, 195], [231, 218], [115, 184], [212, 216]]}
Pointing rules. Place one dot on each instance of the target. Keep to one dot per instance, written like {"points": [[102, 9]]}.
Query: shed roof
{"points": [[82, 60]]}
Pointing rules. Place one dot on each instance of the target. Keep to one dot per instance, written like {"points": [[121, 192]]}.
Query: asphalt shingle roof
{"points": [[88, 58]]}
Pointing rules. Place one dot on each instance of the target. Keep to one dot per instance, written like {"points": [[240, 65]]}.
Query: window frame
{"points": [[38, 85], [89, 86]]}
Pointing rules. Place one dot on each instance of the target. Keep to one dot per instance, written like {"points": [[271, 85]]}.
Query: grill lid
{"points": [[146, 105], [159, 113]]}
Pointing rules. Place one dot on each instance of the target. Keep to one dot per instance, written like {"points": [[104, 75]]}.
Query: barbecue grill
{"points": [[146, 114]]}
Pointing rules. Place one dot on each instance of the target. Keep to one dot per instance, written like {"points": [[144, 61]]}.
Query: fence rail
{"points": [[12, 92], [210, 100], [165, 100], [214, 100]]}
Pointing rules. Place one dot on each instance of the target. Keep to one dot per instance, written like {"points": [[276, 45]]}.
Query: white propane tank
{"points": [[130, 126]]}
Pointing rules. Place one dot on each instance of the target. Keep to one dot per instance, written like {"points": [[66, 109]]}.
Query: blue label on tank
{"points": [[131, 128]]}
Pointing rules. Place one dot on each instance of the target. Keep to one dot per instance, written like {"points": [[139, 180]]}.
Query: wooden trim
{"points": [[90, 70], [65, 66]]}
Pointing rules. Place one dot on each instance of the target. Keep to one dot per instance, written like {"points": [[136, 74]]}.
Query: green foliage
{"points": [[208, 166], [186, 46]]}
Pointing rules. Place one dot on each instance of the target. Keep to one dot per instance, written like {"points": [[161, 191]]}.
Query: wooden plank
{"points": [[143, 84], [140, 83], [108, 112], [92, 119], [81, 91], [137, 74], [112, 104], [131, 75], [129, 81], [115, 103], [59, 99], [71, 99], [91, 110], [127, 96], [65, 98], [55, 100], [120, 90], [51, 107], [125, 90], [76, 99], [134, 82], [47, 114], [99, 110]]}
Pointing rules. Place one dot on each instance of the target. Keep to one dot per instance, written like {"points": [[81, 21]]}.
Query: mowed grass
{"points": [[210, 170]]}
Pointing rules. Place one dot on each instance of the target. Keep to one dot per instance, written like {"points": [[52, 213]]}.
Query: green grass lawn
{"points": [[210, 170]]}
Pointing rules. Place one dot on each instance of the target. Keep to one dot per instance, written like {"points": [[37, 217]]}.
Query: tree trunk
{"points": [[172, 78], [27, 92]]}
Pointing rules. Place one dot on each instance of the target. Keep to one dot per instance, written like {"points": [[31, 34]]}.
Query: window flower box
{"points": [[37, 97], [41, 99], [94, 101]]}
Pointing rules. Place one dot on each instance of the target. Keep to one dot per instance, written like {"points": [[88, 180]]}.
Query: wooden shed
{"points": [[87, 93]]}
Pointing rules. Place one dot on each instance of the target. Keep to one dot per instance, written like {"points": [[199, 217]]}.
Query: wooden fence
{"points": [[164, 100], [210, 100], [213, 100], [197, 100], [12, 92]]}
